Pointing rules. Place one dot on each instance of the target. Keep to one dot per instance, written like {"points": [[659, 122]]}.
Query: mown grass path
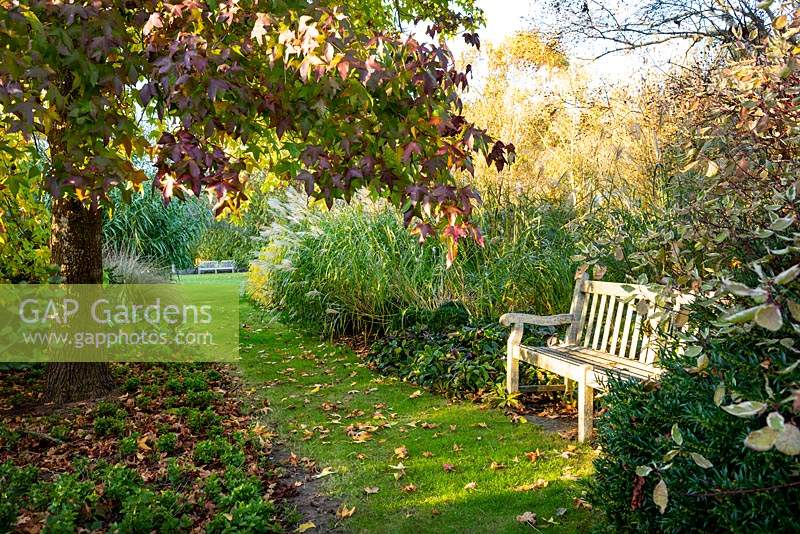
{"points": [[430, 465]]}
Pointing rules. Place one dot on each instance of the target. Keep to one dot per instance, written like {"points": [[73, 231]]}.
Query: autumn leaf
{"points": [[409, 488], [326, 472], [661, 496], [427, 454], [401, 452], [470, 486], [371, 490], [533, 455], [527, 517], [494, 466], [448, 468], [142, 443], [308, 525], [417, 393], [539, 484], [345, 512], [580, 503]]}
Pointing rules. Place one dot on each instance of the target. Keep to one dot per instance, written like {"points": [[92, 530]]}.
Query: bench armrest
{"points": [[540, 320]]}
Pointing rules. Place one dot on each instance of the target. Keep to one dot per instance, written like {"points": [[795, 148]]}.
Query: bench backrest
{"points": [[227, 264], [207, 264], [626, 320]]}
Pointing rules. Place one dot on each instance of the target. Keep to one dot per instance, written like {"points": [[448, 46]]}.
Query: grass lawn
{"points": [[408, 460]]}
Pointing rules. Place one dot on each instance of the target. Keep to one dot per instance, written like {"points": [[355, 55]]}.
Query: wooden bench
{"points": [[216, 266], [614, 329]]}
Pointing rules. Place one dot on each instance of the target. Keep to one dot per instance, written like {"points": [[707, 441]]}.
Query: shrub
{"points": [[166, 442], [716, 446], [466, 360], [740, 490]]}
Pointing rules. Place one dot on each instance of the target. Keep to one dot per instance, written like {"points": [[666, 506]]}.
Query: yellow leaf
{"points": [[308, 525], [661, 496], [142, 443], [344, 511], [416, 394], [325, 472], [780, 22], [713, 169]]}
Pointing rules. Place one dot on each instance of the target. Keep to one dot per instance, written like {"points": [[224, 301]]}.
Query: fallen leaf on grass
{"points": [[401, 452], [533, 455], [580, 503], [409, 488], [448, 468], [527, 517], [416, 394], [427, 454], [308, 525], [494, 466], [345, 512], [325, 472], [372, 491], [560, 511], [539, 484], [429, 425], [471, 486], [456, 447]]}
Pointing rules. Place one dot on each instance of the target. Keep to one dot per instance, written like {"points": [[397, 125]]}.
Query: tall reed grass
{"points": [[357, 269]]}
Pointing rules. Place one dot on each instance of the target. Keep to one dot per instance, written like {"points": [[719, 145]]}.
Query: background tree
{"points": [[211, 90], [628, 26]]}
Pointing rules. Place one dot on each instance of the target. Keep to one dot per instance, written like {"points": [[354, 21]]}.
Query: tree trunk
{"points": [[76, 245]]}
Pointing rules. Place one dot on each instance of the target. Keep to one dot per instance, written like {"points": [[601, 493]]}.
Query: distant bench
{"points": [[223, 266]]}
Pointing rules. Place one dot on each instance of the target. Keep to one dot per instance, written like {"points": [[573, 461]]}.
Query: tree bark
{"points": [[76, 245]]}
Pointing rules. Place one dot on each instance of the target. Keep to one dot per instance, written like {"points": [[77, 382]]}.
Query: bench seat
{"points": [[567, 360]]}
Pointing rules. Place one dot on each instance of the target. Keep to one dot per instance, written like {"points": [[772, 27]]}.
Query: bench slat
{"points": [[617, 323], [590, 323], [626, 330], [568, 363], [609, 322], [599, 326]]}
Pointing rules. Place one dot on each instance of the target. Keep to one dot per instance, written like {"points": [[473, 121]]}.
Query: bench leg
{"points": [[512, 361], [567, 386], [585, 406]]}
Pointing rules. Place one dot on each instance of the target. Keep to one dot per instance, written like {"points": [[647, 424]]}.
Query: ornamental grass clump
{"points": [[357, 269]]}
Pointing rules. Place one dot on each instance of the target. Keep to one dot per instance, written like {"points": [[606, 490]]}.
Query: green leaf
{"points": [[788, 275], [742, 316], [661, 496], [644, 470], [677, 437], [693, 351], [701, 460], [762, 439], [788, 441], [781, 224], [745, 409], [775, 421], [769, 316], [670, 455]]}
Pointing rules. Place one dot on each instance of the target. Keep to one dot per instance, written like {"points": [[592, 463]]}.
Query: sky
{"points": [[504, 17]]}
